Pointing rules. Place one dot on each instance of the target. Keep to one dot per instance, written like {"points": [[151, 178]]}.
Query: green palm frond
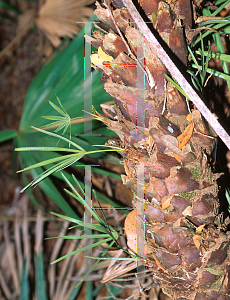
{"points": [[57, 163], [60, 122]]}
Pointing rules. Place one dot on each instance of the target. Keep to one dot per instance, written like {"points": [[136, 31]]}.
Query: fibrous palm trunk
{"points": [[187, 246]]}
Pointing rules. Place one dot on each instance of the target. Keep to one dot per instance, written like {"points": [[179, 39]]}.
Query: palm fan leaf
{"points": [[61, 18]]}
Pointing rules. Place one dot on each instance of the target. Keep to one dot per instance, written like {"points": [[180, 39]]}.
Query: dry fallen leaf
{"points": [[196, 238], [200, 228], [166, 203], [185, 136], [61, 18], [115, 269], [131, 231], [98, 58], [189, 117]]}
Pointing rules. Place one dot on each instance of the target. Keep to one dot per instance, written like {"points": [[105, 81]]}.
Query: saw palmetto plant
{"points": [[166, 146], [166, 140]]}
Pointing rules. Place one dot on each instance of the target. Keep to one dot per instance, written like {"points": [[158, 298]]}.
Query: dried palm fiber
{"points": [[186, 240], [57, 18]]}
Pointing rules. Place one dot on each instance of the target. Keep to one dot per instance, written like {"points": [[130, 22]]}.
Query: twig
{"points": [[206, 82], [169, 64]]}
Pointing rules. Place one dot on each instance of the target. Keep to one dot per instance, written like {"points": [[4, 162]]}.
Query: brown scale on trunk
{"points": [[187, 247]]}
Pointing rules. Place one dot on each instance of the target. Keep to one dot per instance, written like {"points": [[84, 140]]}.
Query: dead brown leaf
{"points": [[61, 18]]}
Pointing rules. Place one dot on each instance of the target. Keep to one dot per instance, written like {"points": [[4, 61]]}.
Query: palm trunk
{"points": [[187, 246]]}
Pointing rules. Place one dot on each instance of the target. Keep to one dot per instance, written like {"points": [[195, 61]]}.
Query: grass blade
{"points": [[220, 8], [78, 197], [94, 226], [89, 291], [24, 283], [176, 86], [221, 56], [75, 292], [82, 249], [97, 262], [77, 237], [217, 73], [40, 277]]}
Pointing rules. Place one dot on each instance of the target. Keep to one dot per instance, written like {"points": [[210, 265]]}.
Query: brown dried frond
{"points": [[57, 18]]}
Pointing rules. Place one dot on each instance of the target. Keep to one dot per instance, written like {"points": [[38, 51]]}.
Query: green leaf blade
{"points": [[6, 135]]}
